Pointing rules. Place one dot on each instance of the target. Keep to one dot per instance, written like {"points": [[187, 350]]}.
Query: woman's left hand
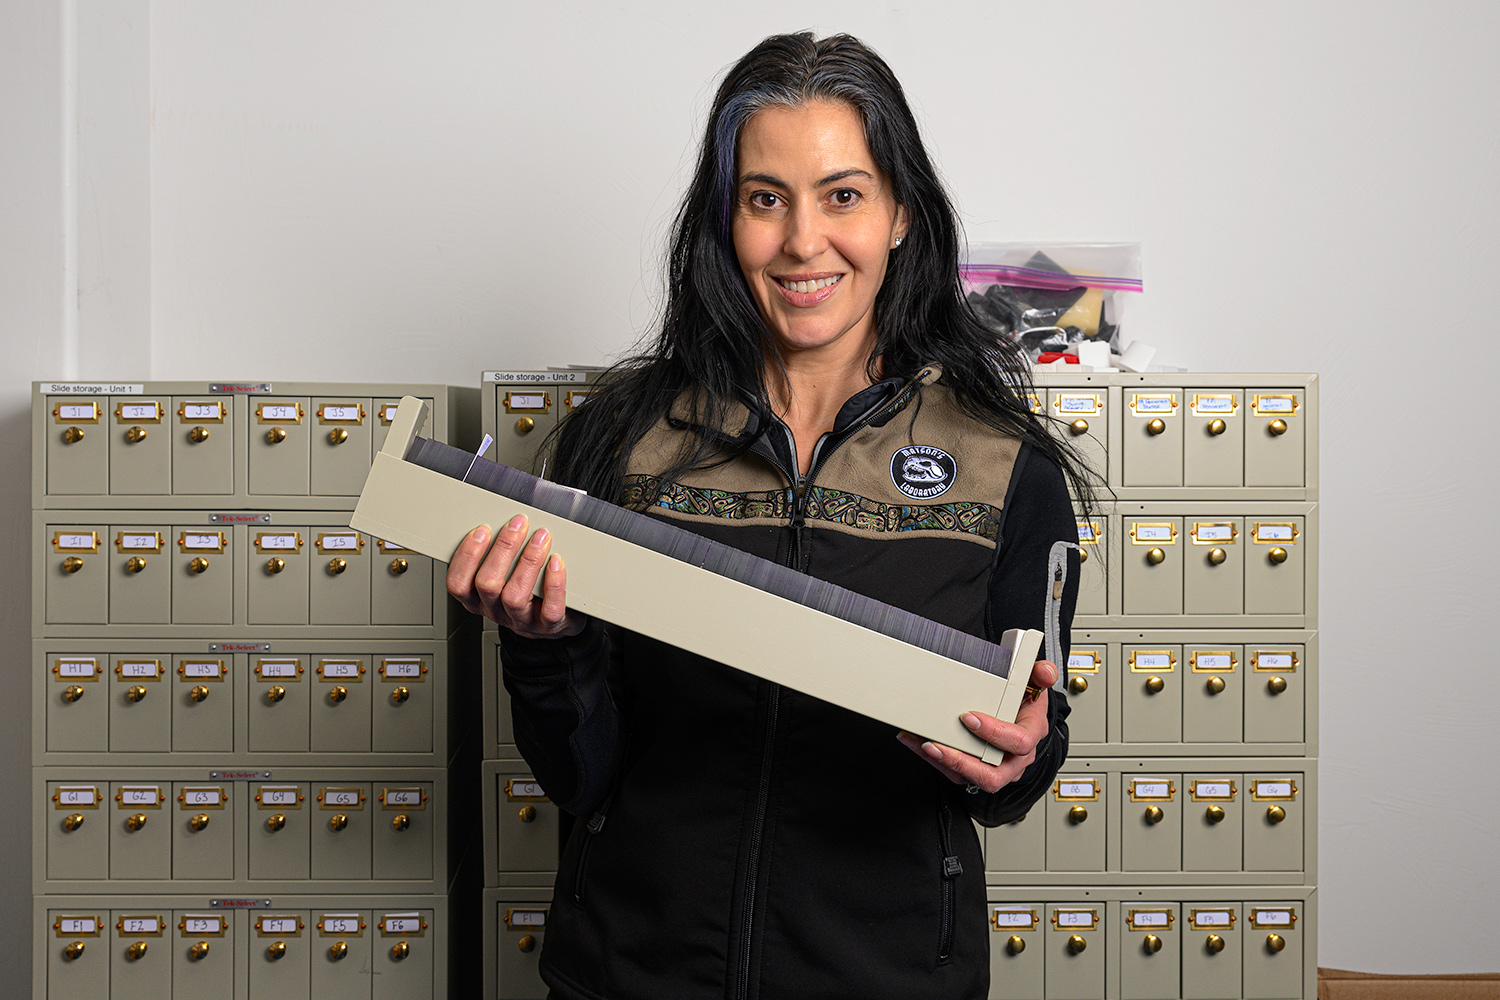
{"points": [[1019, 740]]}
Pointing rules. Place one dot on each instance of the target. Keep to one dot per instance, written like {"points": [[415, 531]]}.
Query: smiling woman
{"points": [[814, 222], [819, 395]]}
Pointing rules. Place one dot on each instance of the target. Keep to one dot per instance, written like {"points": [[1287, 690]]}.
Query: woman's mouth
{"points": [[808, 292], [808, 286]]}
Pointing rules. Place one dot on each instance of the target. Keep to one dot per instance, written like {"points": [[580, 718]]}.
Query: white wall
{"points": [[385, 191]]}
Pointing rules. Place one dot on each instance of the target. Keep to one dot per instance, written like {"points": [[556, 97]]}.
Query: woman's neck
{"points": [[808, 393]]}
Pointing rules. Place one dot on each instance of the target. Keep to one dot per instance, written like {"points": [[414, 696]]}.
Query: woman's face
{"points": [[814, 223]]}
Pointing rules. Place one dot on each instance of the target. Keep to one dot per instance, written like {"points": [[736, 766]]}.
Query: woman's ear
{"points": [[898, 232]]}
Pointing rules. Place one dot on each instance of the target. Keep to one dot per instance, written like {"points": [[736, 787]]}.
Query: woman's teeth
{"points": [[808, 286]]}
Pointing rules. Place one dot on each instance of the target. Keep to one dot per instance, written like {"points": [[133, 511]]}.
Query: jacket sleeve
{"points": [[1037, 550], [564, 712]]}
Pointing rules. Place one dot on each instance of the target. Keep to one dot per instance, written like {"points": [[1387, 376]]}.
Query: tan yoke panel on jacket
{"points": [[928, 471]]}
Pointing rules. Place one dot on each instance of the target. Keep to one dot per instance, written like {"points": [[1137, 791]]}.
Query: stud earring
{"points": [[898, 240]]}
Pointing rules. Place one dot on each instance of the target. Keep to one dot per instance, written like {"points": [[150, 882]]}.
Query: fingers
{"points": [[462, 566], [966, 769], [1020, 737], [554, 593], [516, 594], [1044, 674]]}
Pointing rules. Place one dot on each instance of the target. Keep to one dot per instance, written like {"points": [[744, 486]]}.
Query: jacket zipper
{"points": [[752, 862], [952, 869], [595, 824]]}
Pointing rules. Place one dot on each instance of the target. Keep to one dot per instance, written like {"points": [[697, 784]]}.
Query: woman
{"points": [[818, 394]]}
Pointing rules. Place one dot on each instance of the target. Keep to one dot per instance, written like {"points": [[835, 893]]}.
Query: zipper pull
{"points": [[951, 867], [1057, 584]]}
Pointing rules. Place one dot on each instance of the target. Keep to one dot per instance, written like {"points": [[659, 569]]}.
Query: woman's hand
{"points": [[486, 585], [1019, 740]]}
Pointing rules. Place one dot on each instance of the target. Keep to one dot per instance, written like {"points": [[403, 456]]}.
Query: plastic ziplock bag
{"points": [[1051, 296]]}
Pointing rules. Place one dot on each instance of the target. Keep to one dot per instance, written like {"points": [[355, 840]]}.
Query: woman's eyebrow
{"points": [[761, 178]]}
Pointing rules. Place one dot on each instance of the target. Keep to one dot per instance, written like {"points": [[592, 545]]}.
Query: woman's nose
{"points": [[806, 234]]}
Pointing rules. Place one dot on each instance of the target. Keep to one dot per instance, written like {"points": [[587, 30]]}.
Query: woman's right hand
{"points": [[481, 579]]}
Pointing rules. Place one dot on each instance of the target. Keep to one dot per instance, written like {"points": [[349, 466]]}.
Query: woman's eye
{"points": [[764, 199], [845, 196]]}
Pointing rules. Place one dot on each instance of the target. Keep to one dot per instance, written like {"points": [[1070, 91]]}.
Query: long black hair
{"points": [[711, 347]]}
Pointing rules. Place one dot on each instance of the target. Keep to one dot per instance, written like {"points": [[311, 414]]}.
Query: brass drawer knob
{"points": [[1214, 944], [1215, 685], [135, 693], [1277, 427], [278, 948], [1156, 426], [400, 951], [337, 822], [524, 425], [400, 694], [275, 565], [526, 943], [337, 566], [276, 435], [337, 693], [1079, 426], [135, 435], [1277, 556], [72, 692], [275, 822], [1275, 814], [1078, 685], [136, 951], [72, 822], [275, 693], [1155, 685], [72, 951], [72, 564], [135, 564], [198, 823], [528, 813], [198, 565], [198, 435], [1214, 814], [1217, 427], [1151, 944], [401, 822], [1276, 685], [1154, 815], [338, 435], [1275, 942], [1015, 945], [399, 566], [1156, 556], [1083, 555], [199, 692], [135, 822], [199, 951], [1076, 943], [73, 435], [1077, 815], [338, 950], [1216, 556]]}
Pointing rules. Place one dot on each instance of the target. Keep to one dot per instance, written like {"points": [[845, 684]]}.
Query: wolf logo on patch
{"points": [[923, 472]]}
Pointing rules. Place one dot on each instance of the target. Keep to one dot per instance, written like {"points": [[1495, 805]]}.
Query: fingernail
{"points": [[554, 565], [482, 534], [906, 739], [931, 750], [540, 538], [516, 523], [971, 720]]}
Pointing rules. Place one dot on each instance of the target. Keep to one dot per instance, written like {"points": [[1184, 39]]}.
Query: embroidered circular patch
{"points": [[922, 472]]}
